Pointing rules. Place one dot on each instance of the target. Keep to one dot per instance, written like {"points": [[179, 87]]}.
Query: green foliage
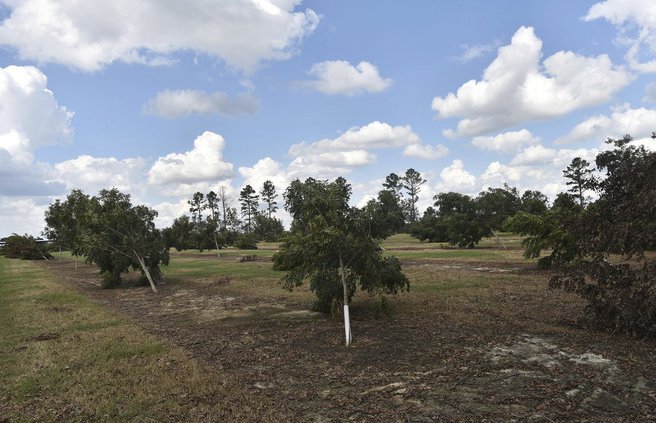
{"points": [[462, 221], [25, 247], [110, 279], [115, 235], [269, 196], [533, 202], [326, 284], [196, 207], [550, 231], [386, 213], [334, 246], [246, 242], [455, 220], [394, 184], [610, 269], [495, 205], [249, 204], [383, 308], [580, 178], [621, 297], [65, 221], [180, 235], [227, 237], [412, 182], [267, 228]]}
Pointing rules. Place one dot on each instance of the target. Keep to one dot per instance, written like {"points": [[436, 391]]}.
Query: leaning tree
{"points": [[113, 234]]}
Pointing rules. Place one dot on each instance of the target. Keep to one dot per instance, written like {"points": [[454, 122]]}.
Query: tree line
{"points": [[214, 222], [598, 242]]}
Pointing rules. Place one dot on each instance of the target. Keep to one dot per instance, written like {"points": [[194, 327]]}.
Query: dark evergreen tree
{"points": [[412, 182], [580, 178], [249, 204], [269, 196]]}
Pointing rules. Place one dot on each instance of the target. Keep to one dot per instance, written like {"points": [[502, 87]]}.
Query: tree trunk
{"points": [[216, 244], [347, 317], [497, 237], [142, 263]]}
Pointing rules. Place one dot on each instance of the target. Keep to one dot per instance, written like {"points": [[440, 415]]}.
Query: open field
{"points": [[478, 337]]}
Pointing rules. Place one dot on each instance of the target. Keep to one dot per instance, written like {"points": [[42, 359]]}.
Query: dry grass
{"points": [[473, 340], [64, 358]]}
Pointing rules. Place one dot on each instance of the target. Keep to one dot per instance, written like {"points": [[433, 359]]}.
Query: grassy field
{"points": [[65, 358], [479, 336]]}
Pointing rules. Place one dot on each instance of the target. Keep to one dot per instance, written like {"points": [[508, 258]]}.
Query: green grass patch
{"points": [[90, 326], [449, 283], [226, 252], [65, 358], [446, 254], [184, 268]]}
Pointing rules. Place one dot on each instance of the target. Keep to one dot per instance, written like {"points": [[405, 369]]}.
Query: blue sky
{"points": [[162, 99]]}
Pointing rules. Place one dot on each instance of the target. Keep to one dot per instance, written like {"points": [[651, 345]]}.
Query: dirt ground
{"points": [[509, 350]]}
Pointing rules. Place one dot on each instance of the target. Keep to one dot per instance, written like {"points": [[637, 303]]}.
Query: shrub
{"points": [[246, 242], [610, 269], [110, 279], [383, 308], [25, 247], [621, 297]]}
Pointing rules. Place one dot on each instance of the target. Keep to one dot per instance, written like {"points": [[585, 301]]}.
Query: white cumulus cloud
{"points": [[29, 116], [176, 103], [507, 142], [636, 21], [91, 174], [425, 151], [650, 93], [334, 156], [203, 163], [21, 216], [479, 50], [329, 164], [517, 88], [266, 169], [534, 155], [455, 178], [341, 77], [373, 135], [639, 123], [91, 34]]}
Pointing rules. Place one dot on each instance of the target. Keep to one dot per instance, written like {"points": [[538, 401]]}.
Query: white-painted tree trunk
{"points": [[347, 317], [347, 326], [142, 263]]}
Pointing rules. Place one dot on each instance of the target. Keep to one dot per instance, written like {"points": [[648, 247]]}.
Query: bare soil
{"points": [[510, 350]]}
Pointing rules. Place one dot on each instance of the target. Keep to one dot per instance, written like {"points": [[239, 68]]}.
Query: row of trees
{"points": [[332, 244], [109, 231], [462, 221], [598, 243], [215, 223]]}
